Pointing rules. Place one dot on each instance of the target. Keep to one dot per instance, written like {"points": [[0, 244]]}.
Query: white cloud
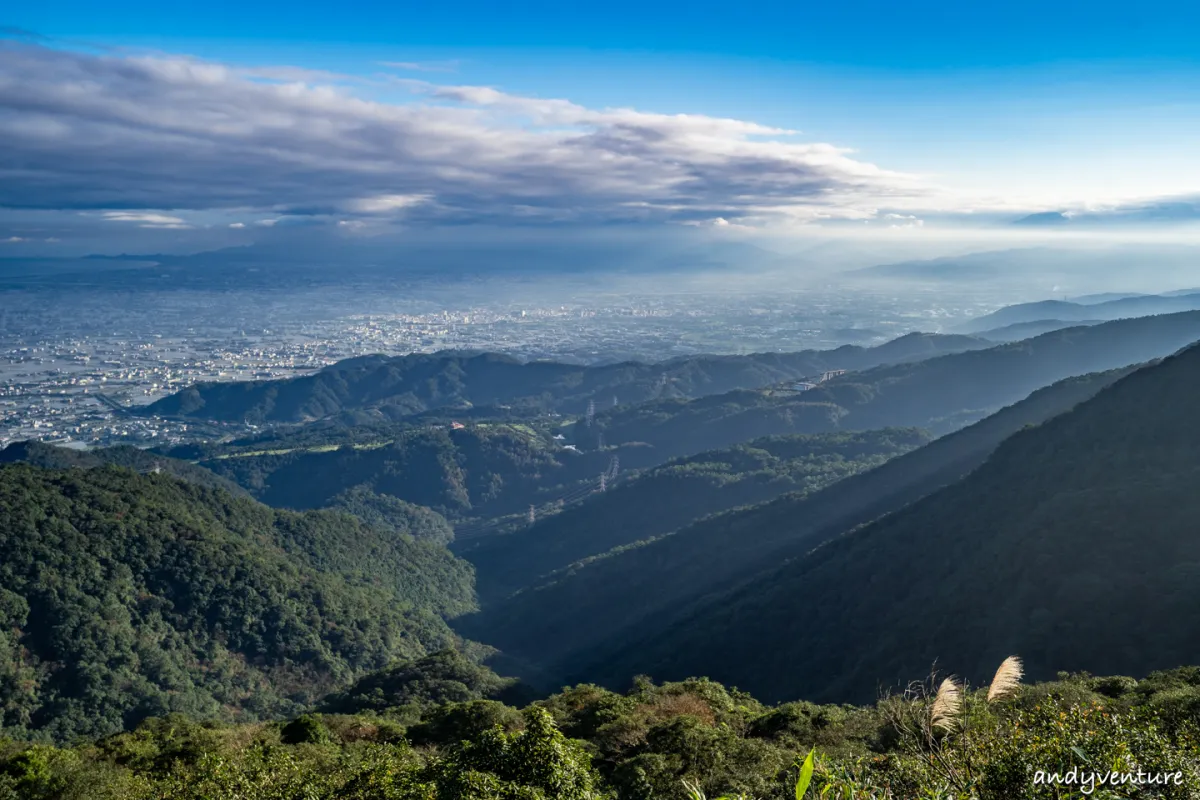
{"points": [[384, 203], [422, 66], [145, 219], [15, 239], [237, 225], [163, 132]]}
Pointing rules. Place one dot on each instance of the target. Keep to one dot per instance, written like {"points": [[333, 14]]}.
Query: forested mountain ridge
{"points": [[404, 385], [125, 595], [486, 469], [40, 454], [1075, 542], [940, 394], [1116, 308], [667, 497], [567, 625]]}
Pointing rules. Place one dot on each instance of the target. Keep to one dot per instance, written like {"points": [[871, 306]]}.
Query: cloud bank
{"points": [[146, 140]]}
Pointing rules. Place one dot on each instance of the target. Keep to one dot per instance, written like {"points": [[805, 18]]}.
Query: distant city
{"points": [[72, 359]]}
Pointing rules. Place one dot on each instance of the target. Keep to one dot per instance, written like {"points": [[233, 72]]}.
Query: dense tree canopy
{"points": [[124, 596]]}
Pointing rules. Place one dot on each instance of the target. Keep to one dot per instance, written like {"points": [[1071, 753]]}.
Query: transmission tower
{"points": [[591, 412], [600, 441], [604, 481], [532, 515], [613, 466]]}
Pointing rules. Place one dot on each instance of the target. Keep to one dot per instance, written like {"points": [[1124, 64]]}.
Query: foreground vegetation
{"points": [[430, 730]]}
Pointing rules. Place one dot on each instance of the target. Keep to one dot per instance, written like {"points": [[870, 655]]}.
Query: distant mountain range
{"points": [[1025, 330], [939, 394], [395, 387], [1050, 269], [1066, 311]]}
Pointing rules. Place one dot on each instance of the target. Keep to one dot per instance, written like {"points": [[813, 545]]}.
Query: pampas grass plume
{"points": [[946, 705], [1007, 679]]}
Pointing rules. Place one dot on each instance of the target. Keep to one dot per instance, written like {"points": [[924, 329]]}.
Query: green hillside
{"points": [[484, 470], [1074, 544], [406, 385], [47, 455], [665, 498], [124, 596], [569, 623]]}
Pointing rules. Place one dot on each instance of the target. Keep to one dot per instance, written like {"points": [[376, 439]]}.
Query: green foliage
{"points": [[393, 515], [127, 596], [48, 456], [673, 741], [446, 676], [305, 729], [483, 470]]}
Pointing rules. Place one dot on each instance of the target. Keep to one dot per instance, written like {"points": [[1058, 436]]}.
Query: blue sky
{"points": [[963, 107]]}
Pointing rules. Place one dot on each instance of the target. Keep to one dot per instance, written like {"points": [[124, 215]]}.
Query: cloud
{"points": [[163, 134], [384, 203], [237, 225], [14, 239], [145, 219], [13, 32], [422, 66]]}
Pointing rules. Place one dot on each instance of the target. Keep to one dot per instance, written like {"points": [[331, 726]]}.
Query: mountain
{"points": [[40, 454], [396, 387], [667, 497], [1027, 330], [1074, 544], [1119, 308], [1049, 269], [568, 623], [124, 596], [939, 394], [486, 469], [1042, 219]]}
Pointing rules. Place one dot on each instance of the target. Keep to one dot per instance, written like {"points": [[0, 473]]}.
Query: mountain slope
{"points": [[1027, 330], [40, 454], [406, 385], [567, 623], [1118, 308], [668, 497], [488, 470], [939, 394], [124, 596], [1074, 545]]}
